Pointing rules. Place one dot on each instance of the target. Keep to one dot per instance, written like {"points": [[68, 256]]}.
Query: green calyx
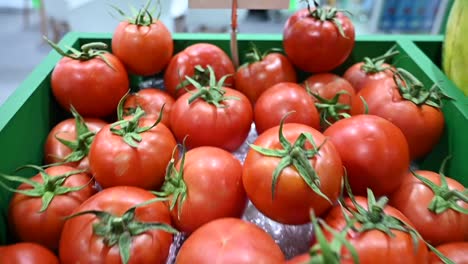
{"points": [[330, 110], [326, 14], [444, 198], [120, 230], [213, 93], [142, 17], [295, 155], [201, 75], [130, 129], [51, 186], [375, 65], [174, 183], [255, 55], [413, 90]]}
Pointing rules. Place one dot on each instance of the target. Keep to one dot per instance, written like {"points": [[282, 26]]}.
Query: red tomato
{"points": [[374, 153], [327, 86], [280, 99], [314, 44], [55, 151], [145, 46], [115, 162], [374, 244], [359, 77], [81, 242], [293, 197], [183, 64], [211, 185], [253, 78], [421, 124], [27, 253], [26, 221], [456, 252], [413, 198], [92, 86], [151, 101], [230, 241], [225, 126]]}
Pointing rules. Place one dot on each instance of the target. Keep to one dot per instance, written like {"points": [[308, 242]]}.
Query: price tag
{"points": [[242, 4]]}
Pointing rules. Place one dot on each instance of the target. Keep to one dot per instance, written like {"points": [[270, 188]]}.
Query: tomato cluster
{"points": [[128, 171]]}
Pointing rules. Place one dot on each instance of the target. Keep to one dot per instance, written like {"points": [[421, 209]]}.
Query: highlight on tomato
{"points": [[27, 253]]}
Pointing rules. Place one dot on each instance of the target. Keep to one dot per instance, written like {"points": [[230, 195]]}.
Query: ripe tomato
{"points": [[280, 99], [213, 116], [374, 244], [421, 123], [27, 253], [296, 161], [332, 94], [313, 42], [79, 133], [183, 64], [431, 208], [206, 185], [93, 82], [359, 76], [26, 219], [101, 237], [374, 153], [230, 241], [151, 101], [456, 252], [262, 72], [135, 153], [143, 44]]}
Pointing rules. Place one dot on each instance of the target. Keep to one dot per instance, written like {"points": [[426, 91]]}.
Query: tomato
{"points": [[87, 238], [27, 253], [296, 161], [230, 241], [151, 101], [432, 208], [333, 96], [262, 72], [78, 134], [212, 116], [359, 77], [455, 251], [117, 158], [374, 152], [143, 43], [206, 185], [314, 43], [422, 123], [93, 82], [183, 64], [374, 244], [38, 215], [280, 99]]}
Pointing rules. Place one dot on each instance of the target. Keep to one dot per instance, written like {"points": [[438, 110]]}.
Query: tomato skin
{"points": [[374, 244], [151, 100], [280, 99], [358, 78], [113, 162], [145, 50], [293, 197], [413, 197], [327, 85], [255, 78], [374, 153], [183, 64], [28, 225], [91, 86], [205, 124], [422, 125], [230, 241], [455, 251], [78, 244], [317, 46], [26, 253], [55, 151]]}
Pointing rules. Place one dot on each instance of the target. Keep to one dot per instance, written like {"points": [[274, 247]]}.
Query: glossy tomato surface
{"points": [[359, 78], [27, 253], [456, 252]]}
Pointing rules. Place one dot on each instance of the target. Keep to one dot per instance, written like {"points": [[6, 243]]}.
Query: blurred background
{"points": [[24, 22]]}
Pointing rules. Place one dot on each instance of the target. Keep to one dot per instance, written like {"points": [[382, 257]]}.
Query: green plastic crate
{"points": [[28, 115]]}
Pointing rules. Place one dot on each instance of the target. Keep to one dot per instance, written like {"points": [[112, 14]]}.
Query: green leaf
{"points": [[46, 200], [125, 241]]}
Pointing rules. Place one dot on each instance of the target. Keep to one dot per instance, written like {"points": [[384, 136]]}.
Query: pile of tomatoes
{"points": [[128, 171]]}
